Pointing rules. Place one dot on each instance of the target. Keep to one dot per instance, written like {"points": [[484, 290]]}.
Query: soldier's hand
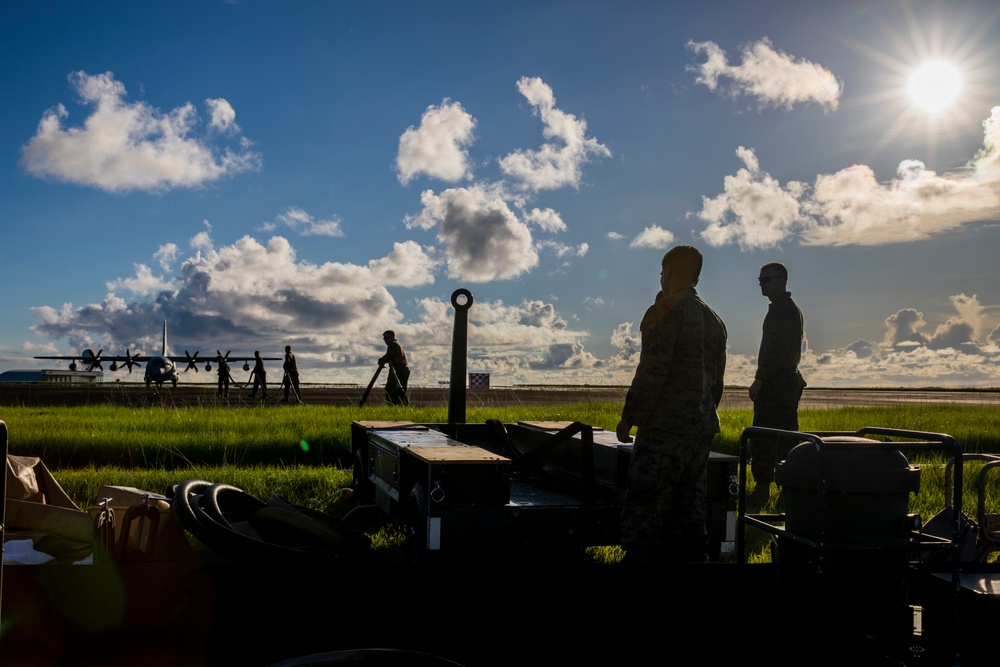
{"points": [[622, 431], [754, 389]]}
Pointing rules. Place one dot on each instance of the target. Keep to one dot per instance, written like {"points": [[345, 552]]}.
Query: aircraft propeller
{"points": [[129, 360], [95, 361], [192, 361]]}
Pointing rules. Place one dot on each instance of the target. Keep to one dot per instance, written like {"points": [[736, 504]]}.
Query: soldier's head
{"points": [[681, 267], [388, 335], [773, 279], [288, 349]]}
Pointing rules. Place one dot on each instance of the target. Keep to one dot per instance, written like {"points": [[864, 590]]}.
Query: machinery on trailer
{"points": [[464, 488], [858, 573]]}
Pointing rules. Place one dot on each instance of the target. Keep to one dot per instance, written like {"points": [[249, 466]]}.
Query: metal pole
{"points": [[368, 390], [461, 299]]}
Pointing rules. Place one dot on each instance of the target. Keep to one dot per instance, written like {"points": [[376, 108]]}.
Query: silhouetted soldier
{"points": [[777, 385], [223, 369], [399, 372], [673, 402], [291, 379], [259, 375]]}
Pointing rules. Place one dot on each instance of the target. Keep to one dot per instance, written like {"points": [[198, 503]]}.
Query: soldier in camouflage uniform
{"points": [[399, 372], [672, 400], [777, 385]]}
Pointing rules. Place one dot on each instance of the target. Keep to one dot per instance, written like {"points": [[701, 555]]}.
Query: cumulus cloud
{"points": [[246, 291], [483, 238], [559, 162], [861, 349], [546, 219], [222, 115], [566, 356], [772, 77], [123, 146], [540, 314], [166, 254], [952, 355], [564, 251], [517, 343], [615, 236], [851, 207], [994, 336], [485, 229], [654, 237], [306, 225], [904, 327], [628, 342], [439, 146], [143, 282], [753, 210]]}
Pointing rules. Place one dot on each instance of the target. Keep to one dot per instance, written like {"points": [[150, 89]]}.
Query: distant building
{"points": [[51, 376]]}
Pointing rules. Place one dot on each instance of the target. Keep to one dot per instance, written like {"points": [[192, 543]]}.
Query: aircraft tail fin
{"points": [[164, 338]]}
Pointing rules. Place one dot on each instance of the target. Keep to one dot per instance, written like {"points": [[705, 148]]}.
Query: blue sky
{"points": [[311, 173]]}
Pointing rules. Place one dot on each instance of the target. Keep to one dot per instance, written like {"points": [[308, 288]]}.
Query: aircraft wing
{"points": [[91, 360]]}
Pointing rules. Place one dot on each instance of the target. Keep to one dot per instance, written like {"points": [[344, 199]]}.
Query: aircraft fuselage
{"points": [[160, 370]]}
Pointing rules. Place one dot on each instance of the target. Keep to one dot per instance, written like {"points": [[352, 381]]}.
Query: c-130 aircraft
{"points": [[159, 369]]}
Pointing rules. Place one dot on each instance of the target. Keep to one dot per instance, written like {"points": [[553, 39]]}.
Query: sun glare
{"points": [[934, 86]]}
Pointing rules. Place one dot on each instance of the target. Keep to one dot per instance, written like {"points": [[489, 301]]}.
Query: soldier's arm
{"points": [[655, 360]]}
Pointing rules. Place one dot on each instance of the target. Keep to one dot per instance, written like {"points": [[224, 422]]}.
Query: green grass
{"points": [[170, 438], [304, 454]]}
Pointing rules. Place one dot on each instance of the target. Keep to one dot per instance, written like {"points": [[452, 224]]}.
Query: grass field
{"points": [[304, 454]]}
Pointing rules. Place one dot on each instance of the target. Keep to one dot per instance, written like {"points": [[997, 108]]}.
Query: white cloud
{"points": [[249, 293], [566, 356], [951, 356], [773, 77], [439, 147], [166, 254], [628, 342], [540, 314], [753, 209], [546, 219], [615, 236], [306, 225], [144, 283], [223, 116], [126, 146], [851, 207], [408, 265], [654, 237], [483, 238], [557, 163], [201, 241], [564, 250]]}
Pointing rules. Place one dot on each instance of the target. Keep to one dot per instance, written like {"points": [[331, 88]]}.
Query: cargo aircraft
{"points": [[159, 369]]}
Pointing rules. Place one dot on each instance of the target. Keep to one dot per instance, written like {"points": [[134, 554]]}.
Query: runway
{"points": [[184, 395]]}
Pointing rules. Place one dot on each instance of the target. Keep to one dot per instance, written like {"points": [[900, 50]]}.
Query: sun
{"points": [[928, 79], [934, 86]]}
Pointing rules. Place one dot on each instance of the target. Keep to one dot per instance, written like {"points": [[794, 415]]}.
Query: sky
{"points": [[311, 173]]}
